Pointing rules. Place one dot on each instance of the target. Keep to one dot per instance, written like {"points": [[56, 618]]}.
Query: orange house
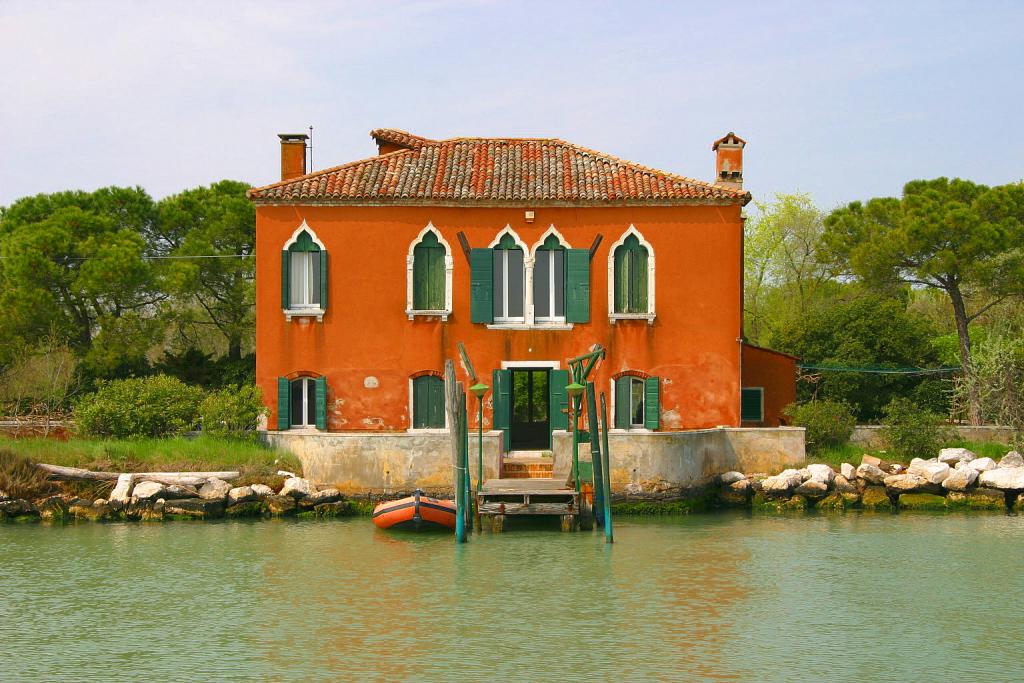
{"points": [[528, 251]]}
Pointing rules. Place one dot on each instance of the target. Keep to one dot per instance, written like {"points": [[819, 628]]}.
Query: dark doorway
{"points": [[530, 424]]}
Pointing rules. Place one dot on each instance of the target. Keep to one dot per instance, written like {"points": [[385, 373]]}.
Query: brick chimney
{"points": [[729, 160], [293, 155]]}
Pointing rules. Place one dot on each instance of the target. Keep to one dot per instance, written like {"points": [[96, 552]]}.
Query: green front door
{"points": [[530, 423]]}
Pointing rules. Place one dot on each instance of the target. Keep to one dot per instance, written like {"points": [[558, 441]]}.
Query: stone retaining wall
{"points": [[872, 436]]}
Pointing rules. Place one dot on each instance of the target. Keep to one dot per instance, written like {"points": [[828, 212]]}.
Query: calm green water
{"points": [[713, 597]]}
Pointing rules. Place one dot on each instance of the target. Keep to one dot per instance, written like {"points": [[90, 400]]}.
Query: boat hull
{"points": [[415, 512]]}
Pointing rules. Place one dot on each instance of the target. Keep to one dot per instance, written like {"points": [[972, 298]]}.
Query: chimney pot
{"points": [[293, 155], [729, 160]]}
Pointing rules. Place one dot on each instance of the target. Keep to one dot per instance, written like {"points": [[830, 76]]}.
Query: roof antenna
{"points": [[309, 148]]}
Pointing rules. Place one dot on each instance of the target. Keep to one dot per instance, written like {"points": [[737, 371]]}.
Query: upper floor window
{"points": [[304, 275], [429, 270], [631, 274], [549, 281], [508, 279]]}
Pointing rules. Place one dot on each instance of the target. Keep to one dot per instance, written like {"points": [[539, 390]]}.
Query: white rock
{"points": [[148, 490], [932, 472], [1012, 459], [960, 479], [727, 478], [908, 483], [122, 492], [296, 487], [952, 456], [328, 495], [812, 488], [870, 473], [981, 464], [822, 473], [848, 471], [1003, 478], [783, 482], [214, 489], [176, 491], [241, 494], [896, 468], [843, 485], [262, 490], [804, 474]]}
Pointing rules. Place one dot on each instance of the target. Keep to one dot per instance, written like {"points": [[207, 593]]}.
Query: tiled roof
{"points": [[492, 171]]}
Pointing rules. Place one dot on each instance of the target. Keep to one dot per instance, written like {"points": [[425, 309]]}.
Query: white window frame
{"points": [[303, 310], [527, 317], [423, 430], [449, 269], [649, 315], [305, 402], [633, 429], [633, 380], [535, 252]]}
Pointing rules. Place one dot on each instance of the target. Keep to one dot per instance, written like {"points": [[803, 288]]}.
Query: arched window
{"points": [[301, 402], [304, 275], [549, 281], [428, 402], [508, 282], [429, 270], [631, 278], [637, 401]]}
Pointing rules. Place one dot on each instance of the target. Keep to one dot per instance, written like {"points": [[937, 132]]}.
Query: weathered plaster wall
{"points": [[367, 347], [873, 436], [364, 462]]}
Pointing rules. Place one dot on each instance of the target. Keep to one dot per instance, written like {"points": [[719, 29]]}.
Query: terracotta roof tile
{"points": [[492, 171]]}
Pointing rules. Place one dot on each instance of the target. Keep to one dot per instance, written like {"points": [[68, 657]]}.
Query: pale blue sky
{"points": [[842, 100]]}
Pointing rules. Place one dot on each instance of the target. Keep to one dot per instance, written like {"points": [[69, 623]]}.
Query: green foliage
{"points": [[827, 423], [233, 412], [20, 478], [912, 432], [138, 407], [864, 331], [997, 382], [193, 366], [663, 507]]}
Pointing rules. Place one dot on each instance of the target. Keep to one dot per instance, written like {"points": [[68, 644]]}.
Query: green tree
{"points": [[964, 239], [73, 269], [864, 331], [783, 274], [217, 224]]}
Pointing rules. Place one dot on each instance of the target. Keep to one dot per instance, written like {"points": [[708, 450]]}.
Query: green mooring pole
{"points": [[576, 440], [468, 482], [480, 446], [595, 454], [460, 469], [608, 536]]}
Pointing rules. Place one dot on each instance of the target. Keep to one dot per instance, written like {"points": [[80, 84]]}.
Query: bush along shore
{"points": [[149, 499], [952, 481]]}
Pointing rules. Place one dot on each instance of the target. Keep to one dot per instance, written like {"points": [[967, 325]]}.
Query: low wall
{"points": [[640, 461], [872, 436]]}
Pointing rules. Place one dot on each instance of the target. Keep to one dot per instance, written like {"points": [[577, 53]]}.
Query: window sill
{"points": [[317, 313], [649, 317], [427, 430], [443, 315], [534, 326]]}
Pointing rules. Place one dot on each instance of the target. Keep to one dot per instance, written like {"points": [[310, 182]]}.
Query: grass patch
{"points": [[256, 463], [834, 456]]}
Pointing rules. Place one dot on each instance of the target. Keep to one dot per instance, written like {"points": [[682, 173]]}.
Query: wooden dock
{"points": [[500, 498]]}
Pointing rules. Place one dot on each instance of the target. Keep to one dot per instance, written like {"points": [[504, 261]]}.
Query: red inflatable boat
{"points": [[415, 512]]}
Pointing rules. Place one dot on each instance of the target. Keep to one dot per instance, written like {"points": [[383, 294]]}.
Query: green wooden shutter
{"points": [[652, 402], [284, 403], [622, 400], [419, 403], [502, 382], [577, 285], [428, 275], [638, 280], [558, 399], [751, 404], [321, 403], [481, 294], [323, 279], [286, 296], [436, 385]]}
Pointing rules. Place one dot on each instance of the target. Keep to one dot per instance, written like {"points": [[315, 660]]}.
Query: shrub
{"points": [[148, 406], [912, 432], [233, 411], [827, 423], [20, 478]]}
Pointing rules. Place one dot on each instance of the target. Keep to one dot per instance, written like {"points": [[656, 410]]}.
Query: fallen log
{"points": [[181, 478]]}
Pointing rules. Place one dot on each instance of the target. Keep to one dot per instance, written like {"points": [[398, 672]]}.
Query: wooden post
{"points": [[455, 406], [595, 454], [608, 536]]}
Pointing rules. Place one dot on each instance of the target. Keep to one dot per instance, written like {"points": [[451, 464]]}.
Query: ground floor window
{"points": [[752, 404], [428, 402], [637, 402], [301, 402]]}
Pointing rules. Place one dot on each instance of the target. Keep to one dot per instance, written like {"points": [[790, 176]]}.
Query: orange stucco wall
{"points": [[776, 373], [366, 333]]}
